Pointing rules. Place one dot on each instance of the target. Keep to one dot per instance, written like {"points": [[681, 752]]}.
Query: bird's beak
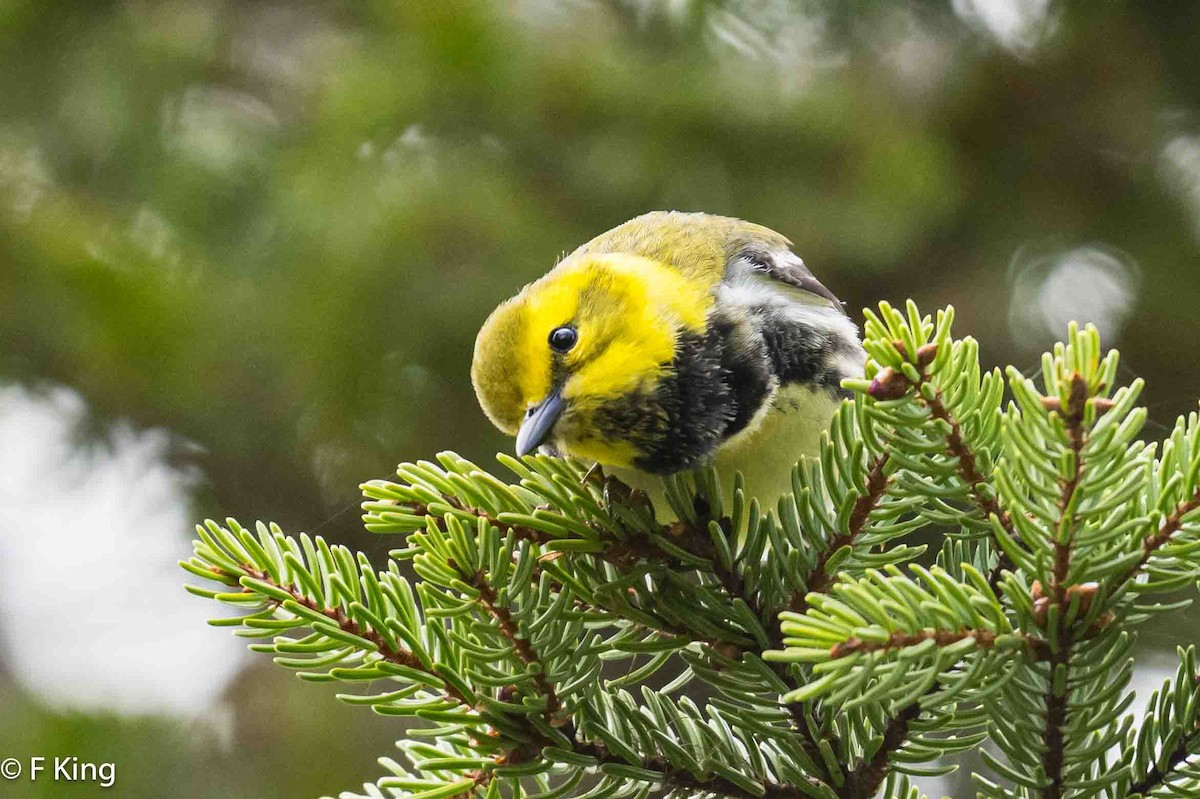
{"points": [[539, 421]]}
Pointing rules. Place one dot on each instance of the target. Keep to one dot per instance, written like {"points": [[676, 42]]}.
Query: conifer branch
{"points": [[1159, 776], [695, 541], [392, 654], [1162, 771], [735, 586], [967, 461], [868, 501], [625, 554], [819, 582], [983, 639], [1163, 536], [865, 780], [526, 591], [521, 646], [674, 779], [1053, 735], [968, 466]]}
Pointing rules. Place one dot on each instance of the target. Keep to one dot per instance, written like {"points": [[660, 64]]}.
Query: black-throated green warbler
{"points": [[670, 342]]}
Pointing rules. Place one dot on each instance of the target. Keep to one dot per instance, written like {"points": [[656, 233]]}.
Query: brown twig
{"points": [[521, 646], [820, 581], [679, 780], [968, 464], [968, 472], [892, 385], [984, 639], [395, 655], [1054, 734], [864, 781], [1158, 539]]}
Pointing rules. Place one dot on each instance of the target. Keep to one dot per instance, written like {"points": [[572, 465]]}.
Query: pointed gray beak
{"points": [[539, 422]]}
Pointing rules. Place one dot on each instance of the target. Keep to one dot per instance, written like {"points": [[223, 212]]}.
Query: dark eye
{"points": [[563, 338]]}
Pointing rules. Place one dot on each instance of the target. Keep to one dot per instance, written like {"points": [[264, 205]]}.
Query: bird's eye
{"points": [[563, 338]]}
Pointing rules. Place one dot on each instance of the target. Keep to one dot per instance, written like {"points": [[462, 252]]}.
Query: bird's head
{"points": [[575, 360]]}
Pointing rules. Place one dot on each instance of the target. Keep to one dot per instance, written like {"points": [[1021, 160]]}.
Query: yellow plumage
{"points": [[669, 342]]}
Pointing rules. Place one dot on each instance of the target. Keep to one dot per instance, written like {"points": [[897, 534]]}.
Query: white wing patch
{"points": [[748, 288]]}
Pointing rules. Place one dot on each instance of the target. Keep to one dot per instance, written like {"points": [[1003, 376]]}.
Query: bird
{"points": [[672, 342]]}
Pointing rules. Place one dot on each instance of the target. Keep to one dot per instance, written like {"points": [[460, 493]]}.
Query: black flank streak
{"points": [[800, 354], [747, 370], [717, 381]]}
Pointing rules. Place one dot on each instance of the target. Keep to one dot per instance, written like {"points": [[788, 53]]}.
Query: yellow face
{"points": [[622, 315]]}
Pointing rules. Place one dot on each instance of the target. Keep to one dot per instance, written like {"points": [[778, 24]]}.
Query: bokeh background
{"points": [[245, 247]]}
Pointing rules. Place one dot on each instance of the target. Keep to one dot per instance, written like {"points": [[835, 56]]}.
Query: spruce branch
{"points": [[635, 551], [1056, 698], [913, 363], [967, 459], [664, 548], [883, 637], [1162, 775], [821, 580], [983, 639], [864, 781], [520, 645], [1166, 552], [794, 651], [1160, 757], [256, 580], [1070, 513], [1155, 542], [909, 353], [672, 780], [736, 586]]}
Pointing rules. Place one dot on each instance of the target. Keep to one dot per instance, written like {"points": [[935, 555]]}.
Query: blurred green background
{"points": [[245, 247]]}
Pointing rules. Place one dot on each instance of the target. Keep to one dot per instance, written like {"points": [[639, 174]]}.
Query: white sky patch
{"points": [[777, 34], [1179, 165], [216, 127], [1018, 25], [1092, 283], [1149, 674], [24, 176], [93, 614]]}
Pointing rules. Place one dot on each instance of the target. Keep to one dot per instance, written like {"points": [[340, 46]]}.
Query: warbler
{"points": [[671, 342]]}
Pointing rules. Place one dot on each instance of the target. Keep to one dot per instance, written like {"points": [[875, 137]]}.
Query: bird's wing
{"points": [[808, 337], [786, 267], [753, 250], [712, 250]]}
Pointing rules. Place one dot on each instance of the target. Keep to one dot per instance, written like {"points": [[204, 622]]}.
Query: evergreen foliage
{"points": [[560, 639]]}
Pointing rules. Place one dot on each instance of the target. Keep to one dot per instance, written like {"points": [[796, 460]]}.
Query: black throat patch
{"points": [[717, 381]]}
